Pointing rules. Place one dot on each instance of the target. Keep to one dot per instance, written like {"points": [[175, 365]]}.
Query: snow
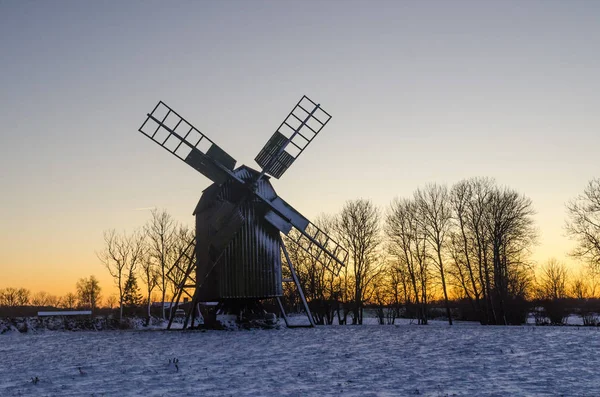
{"points": [[368, 360]]}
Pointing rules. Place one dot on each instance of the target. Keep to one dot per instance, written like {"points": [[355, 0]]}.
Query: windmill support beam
{"points": [[191, 265], [283, 314], [192, 312], [297, 282]]}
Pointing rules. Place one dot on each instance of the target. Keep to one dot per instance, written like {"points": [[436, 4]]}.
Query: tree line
{"points": [[146, 254], [87, 296], [464, 248]]}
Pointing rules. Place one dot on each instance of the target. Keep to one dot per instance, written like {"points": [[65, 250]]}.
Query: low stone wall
{"points": [[70, 323]]}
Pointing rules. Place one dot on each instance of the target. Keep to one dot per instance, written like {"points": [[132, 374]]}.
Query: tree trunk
{"points": [[149, 313], [447, 303]]}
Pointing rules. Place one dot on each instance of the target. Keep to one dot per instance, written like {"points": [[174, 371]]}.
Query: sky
{"points": [[420, 92]]}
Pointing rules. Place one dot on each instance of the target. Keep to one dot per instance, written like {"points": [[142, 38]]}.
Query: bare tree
{"points": [[358, 227], [88, 291], [509, 223], [40, 298], [584, 284], [579, 288], [489, 247], [160, 231], [583, 224], [6, 296], [583, 287], [54, 300], [390, 292], [553, 281], [407, 245], [551, 290], [121, 255], [150, 277], [12, 297], [470, 245], [69, 301], [22, 296], [480, 190], [398, 283], [462, 247], [111, 301], [435, 213]]}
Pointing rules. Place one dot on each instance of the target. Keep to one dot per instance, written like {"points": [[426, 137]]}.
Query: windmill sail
{"points": [[307, 235], [297, 130], [171, 131], [321, 247]]}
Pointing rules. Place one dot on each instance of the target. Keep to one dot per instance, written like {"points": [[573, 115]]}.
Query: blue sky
{"points": [[431, 91]]}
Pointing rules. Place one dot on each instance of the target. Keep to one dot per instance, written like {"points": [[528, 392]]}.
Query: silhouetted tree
{"points": [[111, 301], [150, 278], [40, 298], [584, 284], [22, 297], [435, 213], [88, 292], [467, 242], [552, 289], [407, 244], [131, 294], [583, 287], [489, 248], [509, 222], [69, 301], [399, 287], [121, 255], [583, 224], [358, 227], [54, 301], [12, 297], [161, 231], [553, 281]]}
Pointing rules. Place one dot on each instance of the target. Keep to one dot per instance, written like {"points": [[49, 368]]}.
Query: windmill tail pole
{"points": [[297, 282]]}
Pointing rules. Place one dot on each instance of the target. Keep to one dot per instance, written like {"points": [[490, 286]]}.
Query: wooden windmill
{"points": [[236, 256]]}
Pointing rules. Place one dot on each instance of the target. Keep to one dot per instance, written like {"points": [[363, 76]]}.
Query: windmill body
{"points": [[250, 265], [236, 256]]}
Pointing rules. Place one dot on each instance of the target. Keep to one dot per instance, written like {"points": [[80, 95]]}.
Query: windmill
{"points": [[235, 258]]}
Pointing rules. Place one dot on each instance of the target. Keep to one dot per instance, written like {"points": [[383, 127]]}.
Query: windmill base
{"points": [[236, 313], [246, 311]]}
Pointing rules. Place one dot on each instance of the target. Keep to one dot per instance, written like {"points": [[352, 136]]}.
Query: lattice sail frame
{"points": [[174, 133], [321, 247], [183, 270], [295, 133]]}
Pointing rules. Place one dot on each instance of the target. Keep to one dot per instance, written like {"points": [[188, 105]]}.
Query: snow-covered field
{"points": [[434, 360]]}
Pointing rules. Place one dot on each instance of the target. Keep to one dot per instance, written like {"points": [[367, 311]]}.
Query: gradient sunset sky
{"points": [[419, 91]]}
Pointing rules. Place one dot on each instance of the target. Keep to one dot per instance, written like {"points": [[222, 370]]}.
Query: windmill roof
{"points": [[211, 193]]}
